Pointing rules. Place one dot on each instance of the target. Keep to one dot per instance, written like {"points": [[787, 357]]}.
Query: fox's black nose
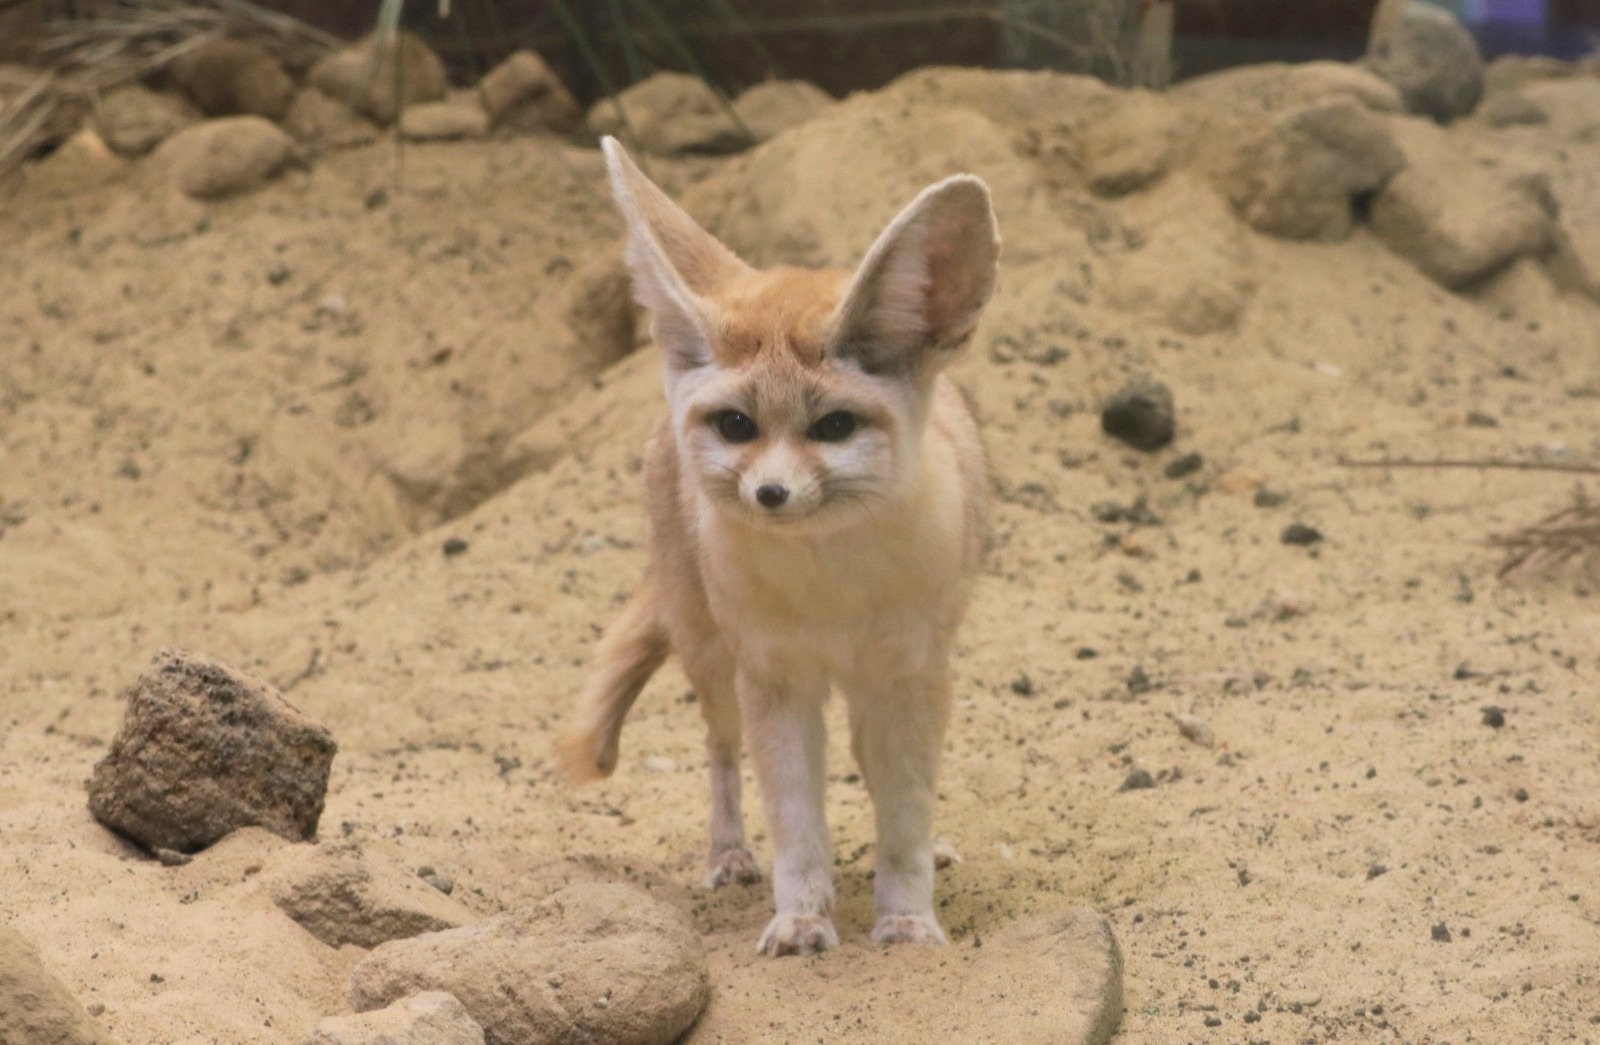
{"points": [[771, 495]]}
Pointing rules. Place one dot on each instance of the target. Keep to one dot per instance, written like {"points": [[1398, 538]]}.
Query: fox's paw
{"points": [[797, 934], [944, 855], [733, 865], [908, 928]]}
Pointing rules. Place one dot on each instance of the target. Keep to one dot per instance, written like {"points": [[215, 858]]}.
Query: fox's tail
{"points": [[626, 656]]}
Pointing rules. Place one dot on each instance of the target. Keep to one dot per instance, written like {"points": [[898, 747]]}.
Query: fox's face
{"points": [[798, 397]]}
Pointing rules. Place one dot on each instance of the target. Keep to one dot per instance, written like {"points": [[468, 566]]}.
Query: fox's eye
{"points": [[835, 427], [734, 426]]}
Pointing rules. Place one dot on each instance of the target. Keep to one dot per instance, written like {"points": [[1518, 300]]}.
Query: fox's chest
{"points": [[839, 593]]}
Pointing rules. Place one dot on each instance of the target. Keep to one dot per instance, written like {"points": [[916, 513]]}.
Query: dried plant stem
{"points": [[1489, 462]]}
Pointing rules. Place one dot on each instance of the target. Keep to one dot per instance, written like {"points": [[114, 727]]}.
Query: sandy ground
{"points": [[249, 427]]}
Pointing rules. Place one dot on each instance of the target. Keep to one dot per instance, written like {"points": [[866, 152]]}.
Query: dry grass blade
{"points": [[1570, 537]]}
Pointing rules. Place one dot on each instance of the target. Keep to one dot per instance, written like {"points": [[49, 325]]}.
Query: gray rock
{"points": [[234, 78], [591, 963], [1297, 175], [1457, 211], [322, 122], [204, 750], [522, 94], [343, 895], [216, 158], [35, 1007], [776, 105], [380, 80], [429, 1018], [1429, 56], [1510, 109], [133, 119], [1140, 414], [449, 120], [669, 114]]}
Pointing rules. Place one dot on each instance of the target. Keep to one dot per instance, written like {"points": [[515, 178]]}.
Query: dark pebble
{"points": [[1022, 686], [1494, 717], [1266, 498], [1375, 870], [1441, 933], [1139, 780], [1086, 653], [1521, 794], [1179, 467], [1213, 1021], [1138, 680], [1140, 414], [1479, 419], [1300, 534], [377, 198], [1252, 1017], [454, 546]]}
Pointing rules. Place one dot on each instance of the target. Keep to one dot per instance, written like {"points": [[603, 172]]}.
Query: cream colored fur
{"points": [[856, 578]]}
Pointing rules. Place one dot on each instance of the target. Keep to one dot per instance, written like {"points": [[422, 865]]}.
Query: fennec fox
{"points": [[816, 500]]}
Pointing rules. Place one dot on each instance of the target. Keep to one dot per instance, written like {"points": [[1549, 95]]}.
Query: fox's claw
{"points": [[908, 928], [797, 934], [733, 865]]}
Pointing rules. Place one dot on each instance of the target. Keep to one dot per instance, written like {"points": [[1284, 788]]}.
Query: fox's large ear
{"points": [[674, 262], [917, 296]]}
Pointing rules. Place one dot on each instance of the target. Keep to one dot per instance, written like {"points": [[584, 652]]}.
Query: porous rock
{"points": [[234, 78], [1140, 414], [216, 158], [449, 120], [35, 1007], [1296, 175], [134, 119], [600, 963], [428, 1018], [204, 750], [1457, 212], [777, 105], [322, 122], [1079, 998], [343, 895], [522, 94], [669, 114], [1431, 58], [379, 79]]}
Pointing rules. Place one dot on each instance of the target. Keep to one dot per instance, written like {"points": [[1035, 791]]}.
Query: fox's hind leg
{"points": [[711, 674]]}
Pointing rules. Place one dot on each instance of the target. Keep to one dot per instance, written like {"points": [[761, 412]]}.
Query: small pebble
{"points": [[377, 198], [1441, 933], [1213, 1021], [1300, 534], [1521, 794], [1022, 686], [171, 857], [95, 1008], [1138, 681], [1140, 414], [442, 882], [1179, 467], [1479, 419], [1375, 871], [1139, 780], [454, 546], [1196, 729], [1086, 653], [1265, 498], [1494, 717]]}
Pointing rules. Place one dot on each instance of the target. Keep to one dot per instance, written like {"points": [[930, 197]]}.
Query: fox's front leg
{"points": [[897, 726], [787, 739]]}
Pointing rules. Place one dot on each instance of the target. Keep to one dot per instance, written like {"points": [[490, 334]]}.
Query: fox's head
{"points": [[799, 396]]}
